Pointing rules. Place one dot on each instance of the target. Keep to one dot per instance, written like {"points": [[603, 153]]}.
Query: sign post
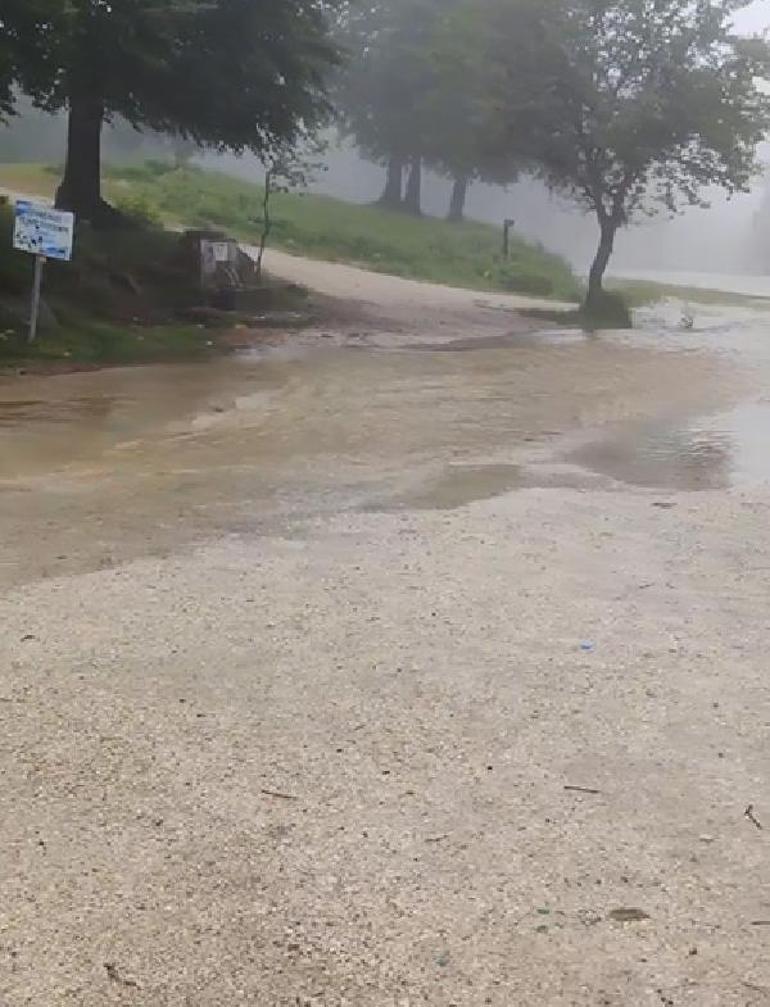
{"points": [[507, 225], [47, 234], [36, 285]]}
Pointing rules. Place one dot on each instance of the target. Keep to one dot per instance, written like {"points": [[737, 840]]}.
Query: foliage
{"points": [[228, 74], [138, 210], [290, 167], [15, 269], [626, 105], [21, 45]]}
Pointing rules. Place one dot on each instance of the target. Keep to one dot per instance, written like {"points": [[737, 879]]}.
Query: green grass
{"points": [[464, 255], [640, 293], [33, 179], [79, 341]]}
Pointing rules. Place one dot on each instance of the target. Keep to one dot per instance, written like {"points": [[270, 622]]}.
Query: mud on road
{"points": [[304, 652]]}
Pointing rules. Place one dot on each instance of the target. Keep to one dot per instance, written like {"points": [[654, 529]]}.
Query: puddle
{"points": [[718, 451], [459, 485], [509, 340], [41, 411], [455, 487]]}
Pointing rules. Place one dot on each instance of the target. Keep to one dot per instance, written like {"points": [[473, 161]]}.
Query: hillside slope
{"points": [[461, 255]]}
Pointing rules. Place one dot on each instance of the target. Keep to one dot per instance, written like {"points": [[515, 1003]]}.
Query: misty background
{"points": [[731, 236]]}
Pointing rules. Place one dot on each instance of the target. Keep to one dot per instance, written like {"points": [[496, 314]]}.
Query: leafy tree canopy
{"points": [[20, 23], [230, 74]]}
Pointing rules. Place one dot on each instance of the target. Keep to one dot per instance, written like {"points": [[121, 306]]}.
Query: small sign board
{"points": [[219, 264], [221, 251], [41, 230]]}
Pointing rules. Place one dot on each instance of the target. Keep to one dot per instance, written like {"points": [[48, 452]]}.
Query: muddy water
{"points": [[711, 451], [100, 467]]}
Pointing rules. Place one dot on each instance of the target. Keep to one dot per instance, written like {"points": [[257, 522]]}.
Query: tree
{"points": [[628, 106], [229, 74], [21, 25], [382, 95], [7, 72], [410, 98], [456, 142], [758, 250], [289, 167]]}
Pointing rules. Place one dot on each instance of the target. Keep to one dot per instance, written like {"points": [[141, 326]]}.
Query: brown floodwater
{"points": [[712, 451], [103, 466]]}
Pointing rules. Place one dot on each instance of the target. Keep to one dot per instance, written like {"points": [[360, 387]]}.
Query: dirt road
{"points": [[419, 664], [383, 291]]}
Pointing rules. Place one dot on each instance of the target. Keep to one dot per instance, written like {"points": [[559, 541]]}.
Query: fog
{"points": [[723, 238], [718, 239]]}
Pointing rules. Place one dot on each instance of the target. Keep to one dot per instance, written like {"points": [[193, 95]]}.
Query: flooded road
{"points": [[99, 467], [417, 660]]}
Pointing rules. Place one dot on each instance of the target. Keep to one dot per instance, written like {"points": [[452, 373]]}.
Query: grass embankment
{"points": [[632, 294], [641, 293], [118, 302], [428, 249], [463, 255]]}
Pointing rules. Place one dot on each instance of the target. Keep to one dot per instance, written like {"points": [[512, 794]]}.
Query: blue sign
{"points": [[41, 230]]}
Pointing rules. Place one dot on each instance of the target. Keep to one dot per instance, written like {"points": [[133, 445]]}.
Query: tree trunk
{"points": [[81, 187], [595, 292], [267, 223], [391, 194], [413, 198], [457, 202]]}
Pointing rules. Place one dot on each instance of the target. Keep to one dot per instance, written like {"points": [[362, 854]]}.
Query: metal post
{"points": [[507, 225], [39, 263]]}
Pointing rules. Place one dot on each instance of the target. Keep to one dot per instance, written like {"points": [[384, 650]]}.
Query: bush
{"points": [[148, 171], [523, 280], [139, 209], [15, 267]]}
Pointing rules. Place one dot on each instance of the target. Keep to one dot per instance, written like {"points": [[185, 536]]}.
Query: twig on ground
{"points": [[113, 974], [583, 790], [278, 794], [749, 813], [756, 988]]}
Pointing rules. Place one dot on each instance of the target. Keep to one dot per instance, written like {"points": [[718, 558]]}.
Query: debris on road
{"points": [[629, 915], [278, 794], [749, 813], [114, 976]]}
